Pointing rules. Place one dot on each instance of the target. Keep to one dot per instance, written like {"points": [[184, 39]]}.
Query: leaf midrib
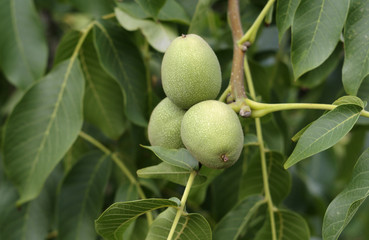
{"points": [[53, 116], [315, 31]]}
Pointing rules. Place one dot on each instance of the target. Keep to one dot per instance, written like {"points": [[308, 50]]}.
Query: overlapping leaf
{"points": [[158, 34], [86, 182], [289, 226], [236, 220], [23, 48], [94, 7], [250, 140], [356, 64], [316, 29], [190, 226], [171, 11], [200, 14], [127, 191], [170, 172], [285, 12], [115, 220], [32, 221], [42, 128], [177, 157], [325, 132], [317, 76], [174, 12], [279, 178], [122, 60], [151, 7], [66, 46], [343, 208], [103, 102]]}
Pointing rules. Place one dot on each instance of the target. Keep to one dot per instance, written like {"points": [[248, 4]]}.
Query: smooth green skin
{"points": [[212, 132], [164, 127], [190, 71]]}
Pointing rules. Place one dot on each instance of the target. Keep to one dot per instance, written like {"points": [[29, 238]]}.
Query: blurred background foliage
{"points": [[315, 182]]}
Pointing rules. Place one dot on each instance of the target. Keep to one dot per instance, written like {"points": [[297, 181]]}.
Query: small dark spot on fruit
{"points": [[224, 158], [183, 35]]}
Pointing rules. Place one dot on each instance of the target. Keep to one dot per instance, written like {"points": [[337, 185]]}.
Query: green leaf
{"points": [[279, 178], [33, 220], [200, 14], [23, 48], [356, 64], [349, 100], [363, 94], [86, 182], [133, 9], [94, 7], [343, 208], [224, 190], [178, 157], [289, 226], [140, 229], [159, 35], [127, 191], [297, 136], [325, 132], [250, 140], [341, 101], [42, 127], [103, 102], [236, 220], [122, 60], [190, 226], [115, 220], [171, 173], [66, 46], [316, 29], [174, 12], [152, 7], [285, 12], [318, 75]]}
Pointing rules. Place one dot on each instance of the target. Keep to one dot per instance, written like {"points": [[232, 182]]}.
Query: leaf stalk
{"points": [[261, 109], [183, 204], [250, 35]]}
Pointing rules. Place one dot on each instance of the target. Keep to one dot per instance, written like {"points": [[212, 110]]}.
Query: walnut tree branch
{"points": [[236, 81]]}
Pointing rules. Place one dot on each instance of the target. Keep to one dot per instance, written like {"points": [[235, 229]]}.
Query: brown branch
{"points": [[236, 81]]}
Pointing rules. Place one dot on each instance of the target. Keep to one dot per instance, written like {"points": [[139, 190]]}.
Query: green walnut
{"points": [[212, 132], [190, 71], [164, 127]]}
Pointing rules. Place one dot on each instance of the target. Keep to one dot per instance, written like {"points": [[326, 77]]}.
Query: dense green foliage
{"points": [[80, 79]]}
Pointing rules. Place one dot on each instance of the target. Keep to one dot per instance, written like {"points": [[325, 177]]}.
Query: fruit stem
{"points": [[183, 204], [224, 95], [120, 164], [250, 35], [259, 133]]}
